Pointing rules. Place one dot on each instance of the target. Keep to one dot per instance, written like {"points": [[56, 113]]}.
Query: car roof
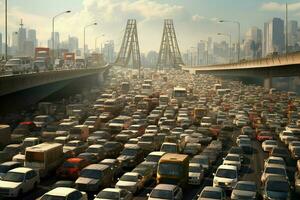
{"points": [[247, 182], [227, 167], [21, 170], [165, 187], [157, 153], [210, 188], [96, 167], [61, 191], [112, 189]]}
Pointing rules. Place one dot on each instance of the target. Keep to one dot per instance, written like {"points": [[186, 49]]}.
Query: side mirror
{"points": [[148, 195], [214, 174]]}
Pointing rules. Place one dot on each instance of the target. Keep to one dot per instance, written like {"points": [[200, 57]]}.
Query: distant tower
{"points": [[21, 39], [169, 53], [130, 47]]}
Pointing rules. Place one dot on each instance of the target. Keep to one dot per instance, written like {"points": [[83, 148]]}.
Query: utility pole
{"points": [[286, 29], [6, 30]]}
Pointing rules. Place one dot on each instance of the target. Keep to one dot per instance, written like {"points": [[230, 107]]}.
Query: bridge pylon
{"points": [[130, 47], [169, 53]]}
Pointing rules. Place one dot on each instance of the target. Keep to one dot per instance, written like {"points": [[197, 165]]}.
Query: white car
{"points": [[284, 134], [268, 145], [293, 144], [273, 169], [151, 129], [225, 177], [64, 193], [206, 122], [18, 181], [233, 159], [274, 160], [130, 181], [114, 193], [196, 174], [166, 191], [212, 193]]}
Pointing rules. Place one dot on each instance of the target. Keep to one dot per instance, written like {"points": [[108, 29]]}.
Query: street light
{"points": [[93, 24], [239, 34], [228, 35], [96, 39], [53, 35]]}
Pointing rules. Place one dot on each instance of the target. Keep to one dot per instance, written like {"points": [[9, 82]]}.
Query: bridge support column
{"points": [[268, 82]]}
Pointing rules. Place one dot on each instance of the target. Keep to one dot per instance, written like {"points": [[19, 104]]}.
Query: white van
{"points": [[19, 65]]}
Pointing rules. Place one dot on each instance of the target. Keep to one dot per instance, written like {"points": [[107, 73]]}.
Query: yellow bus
{"points": [[173, 169]]}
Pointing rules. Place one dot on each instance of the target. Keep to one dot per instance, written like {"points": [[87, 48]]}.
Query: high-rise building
{"points": [[253, 43], [32, 37], [21, 40], [292, 33], [73, 44], [274, 38], [56, 41], [29, 48], [201, 53], [152, 58], [0, 43], [109, 51]]}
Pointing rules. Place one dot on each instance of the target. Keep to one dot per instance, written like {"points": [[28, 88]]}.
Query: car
{"points": [[6, 166], [151, 129], [192, 149], [284, 134], [94, 177], [268, 145], [276, 187], [273, 169], [18, 181], [274, 160], [237, 150], [89, 157], [131, 181], [71, 167], [131, 156], [112, 149], [295, 153], [145, 172], [264, 135], [149, 142], [169, 147], [166, 191], [75, 147], [280, 152], [114, 165], [226, 177], [64, 193], [233, 159], [114, 194], [297, 182], [196, 174], [245, 144], [293, 144], [244, 190], [202, 160], [64, 183], [212, 193], [97, 150]]}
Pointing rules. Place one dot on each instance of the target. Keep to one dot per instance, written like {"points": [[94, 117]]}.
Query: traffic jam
{"points": [[166, 135]]}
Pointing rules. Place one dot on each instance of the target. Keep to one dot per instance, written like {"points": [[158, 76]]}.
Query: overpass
{"points": [[27, 89], [266, 68]]}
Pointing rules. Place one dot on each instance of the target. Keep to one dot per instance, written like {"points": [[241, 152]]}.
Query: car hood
{"points": [[9, 184], [126, 184], [277, 195], [193, 174], [244, 193], [223, 180], [83, 180]]}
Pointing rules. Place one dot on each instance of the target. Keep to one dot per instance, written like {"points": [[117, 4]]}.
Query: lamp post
{"points": [[96, 39], [53, 35], [239, 34], [93, 24], [229, 36]]}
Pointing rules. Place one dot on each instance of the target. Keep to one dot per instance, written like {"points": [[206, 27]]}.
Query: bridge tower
{"points": [[130, 47], [169, 53]]}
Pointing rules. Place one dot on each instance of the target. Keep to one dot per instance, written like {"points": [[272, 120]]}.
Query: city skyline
{"points": [[192, 23]]}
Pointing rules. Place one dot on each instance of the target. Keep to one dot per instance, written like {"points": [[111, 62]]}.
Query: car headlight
{"points": [[228, 183]]}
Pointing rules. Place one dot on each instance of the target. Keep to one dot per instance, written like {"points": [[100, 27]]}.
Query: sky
{"points": [[194, 20]]}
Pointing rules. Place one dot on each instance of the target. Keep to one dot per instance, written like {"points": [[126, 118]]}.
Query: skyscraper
{"points": [[253, 43], [200, 53], [274, 38], [292, 33], [21, 40], [56, 41], [109, 51], [32, 36], [73, 44]]}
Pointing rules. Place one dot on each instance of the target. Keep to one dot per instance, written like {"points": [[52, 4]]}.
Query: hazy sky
{"points": [[193, 19]]}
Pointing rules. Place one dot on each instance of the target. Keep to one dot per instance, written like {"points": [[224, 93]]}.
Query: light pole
{"points": [[53, 35], [96, 39], [5, 30], [229, 36], [93, 24], [239, 35]]}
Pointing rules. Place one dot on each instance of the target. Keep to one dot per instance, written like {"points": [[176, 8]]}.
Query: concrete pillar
{"points": [[268, 82]]}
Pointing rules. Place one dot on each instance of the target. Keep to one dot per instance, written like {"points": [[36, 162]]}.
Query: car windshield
{"points": [[92, 150], [275, 170], [277, 186], [226, 173], [52, 197], [108, 195], [276, 161], [211, 194], [245, 186], [280, 151], [203, 161], [3, 168], [152, 158], [147, 138], [161, 194], [232, 158], [70, 165], [171, 169], [129, 152], [14, 62], [131, 178], [14, 177], [195, 169], [89, 173]]}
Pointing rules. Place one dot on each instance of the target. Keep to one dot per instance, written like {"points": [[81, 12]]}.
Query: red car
{"points": [[71, 167], [264, 135]]}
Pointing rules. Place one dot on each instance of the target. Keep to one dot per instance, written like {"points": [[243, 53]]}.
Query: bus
{"points": [[44, 157], [173, 169], [180, 94]]}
